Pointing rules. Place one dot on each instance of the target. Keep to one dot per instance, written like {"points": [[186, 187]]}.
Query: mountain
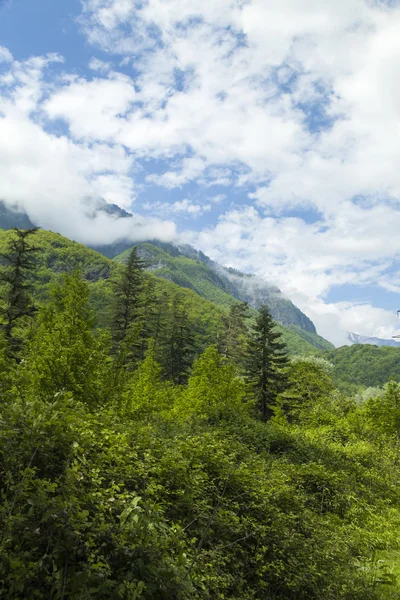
{"points": [[354, 338], [11, 216], [113, 210], [192, 269]]}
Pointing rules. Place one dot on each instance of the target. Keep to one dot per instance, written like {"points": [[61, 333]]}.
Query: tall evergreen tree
{"points": [[17, 302], [178, 346], [147, 316], [232, 343], [266, 358], [127, 291]]}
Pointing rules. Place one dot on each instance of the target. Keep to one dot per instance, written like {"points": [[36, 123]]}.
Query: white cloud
{"points": [[99, 65], [231, 109], [5, 55], [94, 109], [181, 207], [298, 102], [51, 176], [185, 206]]}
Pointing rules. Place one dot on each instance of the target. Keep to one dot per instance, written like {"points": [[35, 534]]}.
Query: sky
{"points": [[264, 132]]}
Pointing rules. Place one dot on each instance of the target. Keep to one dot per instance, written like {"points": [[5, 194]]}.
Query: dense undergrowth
{"points": [[125, 475]]}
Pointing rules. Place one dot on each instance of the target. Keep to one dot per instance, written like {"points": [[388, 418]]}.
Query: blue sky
{"points": [[265, 133]]}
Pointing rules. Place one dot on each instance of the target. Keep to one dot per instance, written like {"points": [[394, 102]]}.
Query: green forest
{"points": [[157, 445]]}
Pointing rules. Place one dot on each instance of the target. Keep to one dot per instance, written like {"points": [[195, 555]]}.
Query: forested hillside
{"points": [[58, 254], [364, 364], [191, 269], [149, 450]]}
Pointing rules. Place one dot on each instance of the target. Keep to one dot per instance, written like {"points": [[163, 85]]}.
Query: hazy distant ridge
{"points": [[354, 338]]}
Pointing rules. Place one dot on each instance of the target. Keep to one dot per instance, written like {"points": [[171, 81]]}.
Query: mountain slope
{"points": [[190, 268], [58, 254], [12, 217], [364, 364], [246, 288]]}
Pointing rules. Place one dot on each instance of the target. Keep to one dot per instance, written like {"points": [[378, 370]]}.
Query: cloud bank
{"points": [[56, 179], [293, 105]]}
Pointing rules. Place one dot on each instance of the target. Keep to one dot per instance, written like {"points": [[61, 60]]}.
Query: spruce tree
{"points": [[17, 302], [147, 316], [127, 291], [232, 343], [178, 343], [266, 358]]}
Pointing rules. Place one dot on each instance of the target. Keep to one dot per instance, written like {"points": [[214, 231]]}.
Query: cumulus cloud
{"points": [[53, 176], [299, 101], [5, 55], [307, 260], [183, 207], [294, 104]]}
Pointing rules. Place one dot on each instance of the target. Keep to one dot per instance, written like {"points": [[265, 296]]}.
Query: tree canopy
{"points": [[207, 467]]}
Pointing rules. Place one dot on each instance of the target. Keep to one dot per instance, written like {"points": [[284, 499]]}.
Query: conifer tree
{"points": [[266, 358], [178, 346], [127, 290], [16, 295], [147, 316], [160, 321], [232, 343]]}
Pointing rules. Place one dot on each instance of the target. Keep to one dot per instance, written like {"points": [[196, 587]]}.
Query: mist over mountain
{"points": [[354, 338], [12, 216], [181, 264]]}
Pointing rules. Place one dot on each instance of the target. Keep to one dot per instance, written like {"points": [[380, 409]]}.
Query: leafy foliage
{"points": [[128, 481], [363, 364]]}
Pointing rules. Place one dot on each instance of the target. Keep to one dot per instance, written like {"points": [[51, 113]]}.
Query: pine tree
{"points": [[147, 315], [127, 290], [232, 343], [266, 358], [16, 295], [160, 321], [178, 344]]}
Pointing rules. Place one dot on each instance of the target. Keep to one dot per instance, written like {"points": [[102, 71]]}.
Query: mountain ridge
{"points": [[355, 339], [191, 268], [180, 263]]}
